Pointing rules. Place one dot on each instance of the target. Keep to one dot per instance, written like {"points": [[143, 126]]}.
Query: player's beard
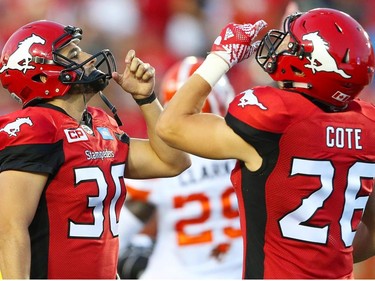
{"points": [[98, 83]]}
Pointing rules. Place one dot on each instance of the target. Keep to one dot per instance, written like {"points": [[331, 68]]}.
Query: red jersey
{"points": [[74, 234], [300, 211]]}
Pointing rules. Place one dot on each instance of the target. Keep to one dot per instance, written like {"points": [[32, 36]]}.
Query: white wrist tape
{"points": [[212, 69]]}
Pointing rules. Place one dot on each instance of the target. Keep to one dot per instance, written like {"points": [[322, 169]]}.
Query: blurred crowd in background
{"points": [[164, 31]]}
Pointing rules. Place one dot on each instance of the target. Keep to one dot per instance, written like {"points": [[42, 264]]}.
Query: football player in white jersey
{"points": [[198, 228]]}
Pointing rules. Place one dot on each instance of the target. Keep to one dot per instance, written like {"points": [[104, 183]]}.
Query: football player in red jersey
{"points": [[305, 150], [63, 162]]}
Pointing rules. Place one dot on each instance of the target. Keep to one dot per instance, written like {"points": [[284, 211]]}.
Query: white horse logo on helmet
{"points": [[321, 59], [21, 57]]}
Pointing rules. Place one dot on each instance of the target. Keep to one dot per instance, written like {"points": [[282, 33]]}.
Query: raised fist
{"points": [[236, 41]]}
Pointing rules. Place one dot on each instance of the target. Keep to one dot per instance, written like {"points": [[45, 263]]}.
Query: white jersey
{"points": [[198, 226]]}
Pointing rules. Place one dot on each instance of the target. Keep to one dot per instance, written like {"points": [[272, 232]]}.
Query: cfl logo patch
{"points": [[74, 135]]}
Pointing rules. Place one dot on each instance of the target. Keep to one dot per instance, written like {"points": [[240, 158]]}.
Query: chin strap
{"points": [[111, 107], [86, 116], [292, 84]]}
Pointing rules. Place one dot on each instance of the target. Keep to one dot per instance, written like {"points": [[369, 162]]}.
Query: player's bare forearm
{"points": [[175, 122], [19, 197], [175, 160], [152, 157], [15, 253]]}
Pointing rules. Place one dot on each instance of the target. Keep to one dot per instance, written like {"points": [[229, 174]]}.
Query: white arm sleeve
{"points": [[129, 225]]}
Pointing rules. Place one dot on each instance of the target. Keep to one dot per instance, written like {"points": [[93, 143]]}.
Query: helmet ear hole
{"points": [[39, 78], [298, 72]]}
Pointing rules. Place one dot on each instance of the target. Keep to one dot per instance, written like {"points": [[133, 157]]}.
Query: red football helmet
{"points": [[323, 53], [33, 51], [218, 100]]}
